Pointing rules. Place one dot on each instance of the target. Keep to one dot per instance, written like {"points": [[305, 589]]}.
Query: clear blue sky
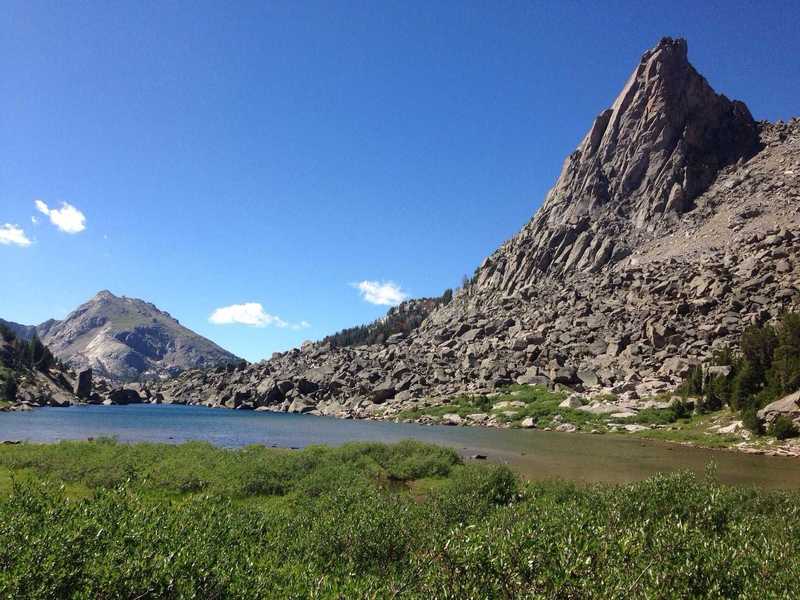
{"points": [[277, 153]]}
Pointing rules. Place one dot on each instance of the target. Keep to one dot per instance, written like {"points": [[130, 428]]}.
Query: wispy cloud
{"points": [[13, 235], [251, 314], [67, 218], [385, 293]]}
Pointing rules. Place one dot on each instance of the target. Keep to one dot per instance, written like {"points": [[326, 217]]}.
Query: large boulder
{"points": [[383, 392], [124, 396], [83, 384], [573, 401], [306, 386], [58, 397], [788, 406], [268, 393], [588, 378], [451, 419], [300, 405]]}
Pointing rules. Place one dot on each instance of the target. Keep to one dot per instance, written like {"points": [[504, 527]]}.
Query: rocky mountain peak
{"points": [[640, 166], [123, 338], [672, 228]]}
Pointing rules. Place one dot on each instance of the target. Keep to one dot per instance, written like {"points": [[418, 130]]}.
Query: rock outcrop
{"points": [[27, 383], [788, 406], [642, 164], [123, 339], [673, 226]]}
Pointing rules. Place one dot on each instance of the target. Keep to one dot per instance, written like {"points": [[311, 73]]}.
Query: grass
{"points": [[542, 405], [462, 405], [539, 403], [200, 467], [700, 430], [105, 520]]}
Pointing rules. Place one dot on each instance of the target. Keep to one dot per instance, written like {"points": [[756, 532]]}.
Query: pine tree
{"points": [[9, 389]]}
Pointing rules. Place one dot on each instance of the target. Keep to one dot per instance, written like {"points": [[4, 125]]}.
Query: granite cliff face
{"points": [[122, 338], [640, 167], [672, 227]]}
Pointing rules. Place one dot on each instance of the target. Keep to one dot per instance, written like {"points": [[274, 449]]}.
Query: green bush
{"points": [[339, 531], [474, 490], [694, 382], [751, 421], [8, 387], [681, 409], [252, 471], [783, 428]]}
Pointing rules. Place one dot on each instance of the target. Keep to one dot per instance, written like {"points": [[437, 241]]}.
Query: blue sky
{"points": [[279, 153]]}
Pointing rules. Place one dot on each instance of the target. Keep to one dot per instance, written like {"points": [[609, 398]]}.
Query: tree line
{"points": [[764, 369], [397, 320], [20, 355]]}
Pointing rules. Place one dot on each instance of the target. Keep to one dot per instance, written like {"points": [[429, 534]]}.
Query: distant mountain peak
{"points": [[125, 338]]}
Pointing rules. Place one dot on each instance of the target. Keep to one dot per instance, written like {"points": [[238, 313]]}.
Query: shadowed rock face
{"points": [[643, 162], [123, 338]]}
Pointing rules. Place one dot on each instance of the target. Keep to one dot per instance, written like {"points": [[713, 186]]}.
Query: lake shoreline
{"points": [[557, 455], [787, 449]]}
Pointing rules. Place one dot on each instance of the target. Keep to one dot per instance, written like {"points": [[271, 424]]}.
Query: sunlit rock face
{"points": [[671, 228], [644, 160]]}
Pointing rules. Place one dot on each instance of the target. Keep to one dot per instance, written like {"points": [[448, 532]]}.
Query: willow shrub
{"points": [[344, 529]]}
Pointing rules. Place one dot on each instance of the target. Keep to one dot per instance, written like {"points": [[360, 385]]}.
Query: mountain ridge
{"points": [[122, 339], [670, 228]]}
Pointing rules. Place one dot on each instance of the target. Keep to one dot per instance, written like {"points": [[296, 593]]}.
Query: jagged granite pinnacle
{"points": [[640, 166]]}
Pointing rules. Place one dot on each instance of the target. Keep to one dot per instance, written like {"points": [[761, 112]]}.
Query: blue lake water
{"points": [[536, 454]]}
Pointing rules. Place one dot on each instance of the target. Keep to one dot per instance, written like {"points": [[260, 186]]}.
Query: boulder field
{"points": [[673, 226]]}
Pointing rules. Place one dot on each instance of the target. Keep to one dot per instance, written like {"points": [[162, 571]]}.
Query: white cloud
{"points": [[34, 220], [252, 314], [13, 234], [67, 218], [386, 293]]}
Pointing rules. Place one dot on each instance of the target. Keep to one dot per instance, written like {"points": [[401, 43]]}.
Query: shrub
{"points": [[8, 390], [783, 428], [693, 384], [681, 409], [751, 421], [479, 534]]}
